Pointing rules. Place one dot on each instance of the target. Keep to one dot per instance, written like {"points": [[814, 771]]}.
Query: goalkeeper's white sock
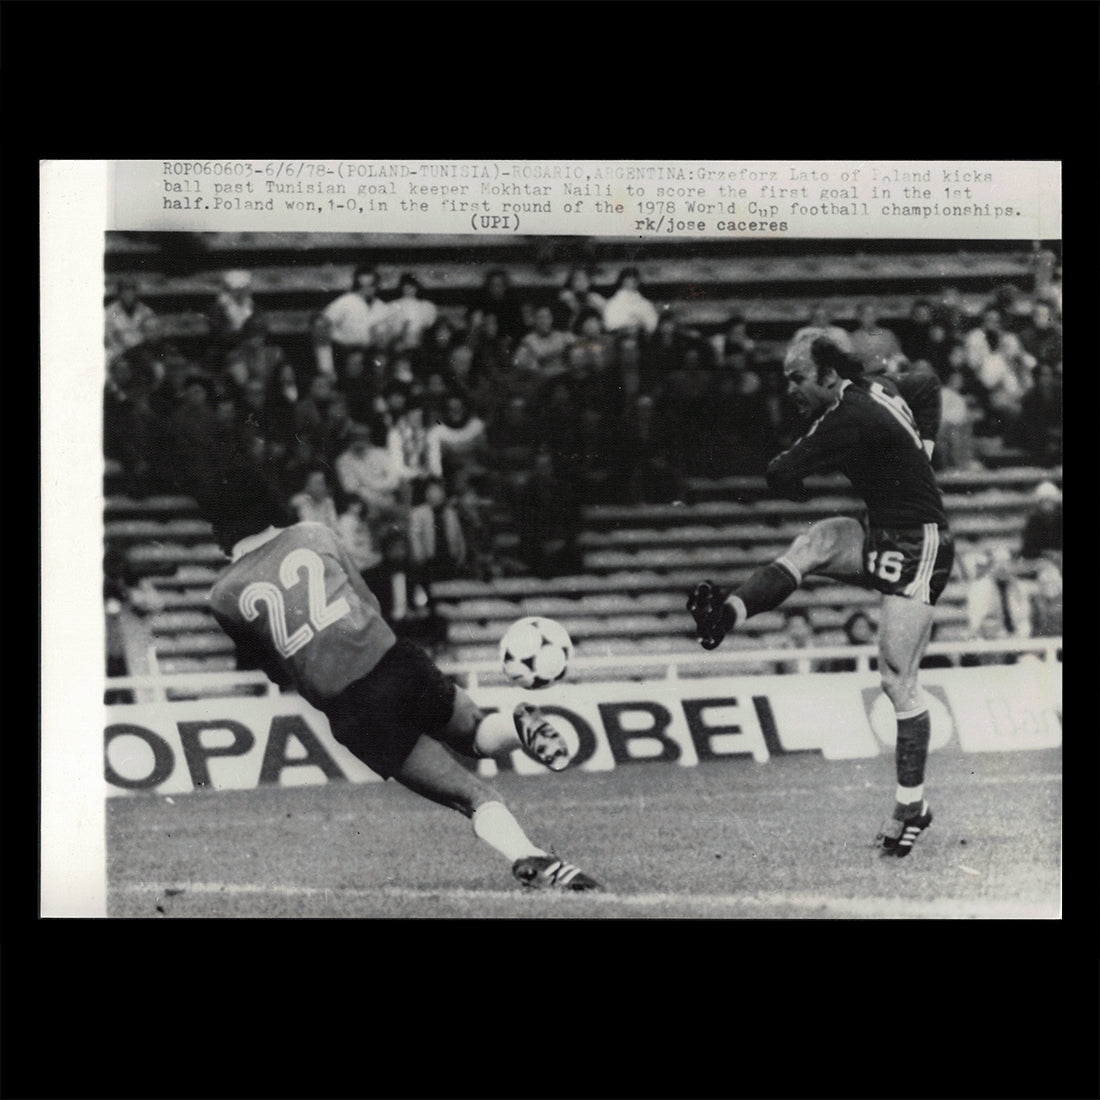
{"points": [[493, 822], [495, 733]]}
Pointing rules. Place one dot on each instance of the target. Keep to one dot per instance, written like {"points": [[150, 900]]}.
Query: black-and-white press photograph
{"points": [[515, 573]]}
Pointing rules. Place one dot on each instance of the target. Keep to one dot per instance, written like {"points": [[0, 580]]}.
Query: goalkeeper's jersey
{"points": [[297, 608]]}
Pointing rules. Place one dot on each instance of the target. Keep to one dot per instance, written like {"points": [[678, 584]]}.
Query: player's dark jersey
{"points": [[869, 435], [297, 606], [920, 387]]}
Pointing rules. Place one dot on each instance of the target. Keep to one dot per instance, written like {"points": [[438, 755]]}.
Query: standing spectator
{"points": [[1042, 537], [628, 310], [548, 517], [457, 442], [407, 442], [578, 297], [356, 319], [498, 297], [545, 343], [234, 318], [127, 320], [315, 504], [410, 314], [437, 545], [871, 343]]}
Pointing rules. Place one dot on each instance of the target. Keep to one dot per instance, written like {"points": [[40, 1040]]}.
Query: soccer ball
{"points": [[535, 652]]}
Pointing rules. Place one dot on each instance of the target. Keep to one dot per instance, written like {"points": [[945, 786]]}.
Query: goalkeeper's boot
{"points": [[714, 618], [896, 838], [551, 873], [539, 739]]}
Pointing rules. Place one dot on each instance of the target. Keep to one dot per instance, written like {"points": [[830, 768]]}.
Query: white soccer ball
{"points": [[535, 652]]}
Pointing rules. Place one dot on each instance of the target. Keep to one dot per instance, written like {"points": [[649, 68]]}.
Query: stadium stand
{"points": [[639, 558]]}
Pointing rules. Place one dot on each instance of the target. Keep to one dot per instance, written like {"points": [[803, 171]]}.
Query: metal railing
{"points": [[155, 687]]}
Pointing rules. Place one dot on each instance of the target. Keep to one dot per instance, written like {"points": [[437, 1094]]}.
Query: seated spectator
{"points": [[435, 346], [1041, 337], [356, 319], [403, 605], [315, 504], [545, 343], [1046, 602], [194, 433], [492, 350], [410, 315], [366, 472], [798, 633], [311, 413], [597, 345], [1040, 422], [955, 442], [999, 365], [547, 515], [996, 601], [873, 344], [628, 310], [437, 544], [358, 387], [1042, 538], [821, 317], [127, 320], [666, 350], [457, 441], [578, 297], [234, 317]]}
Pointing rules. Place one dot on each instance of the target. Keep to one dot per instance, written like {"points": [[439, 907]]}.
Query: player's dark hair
{"points": [[827, 355], [237, 501]]}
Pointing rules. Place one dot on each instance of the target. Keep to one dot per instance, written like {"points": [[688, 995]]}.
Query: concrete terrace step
{"points": [[178, 530], [118, 506], [149, 558]]}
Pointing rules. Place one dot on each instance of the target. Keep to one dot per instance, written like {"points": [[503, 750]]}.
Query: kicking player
{"points": [[862, 428], [296, 606]]}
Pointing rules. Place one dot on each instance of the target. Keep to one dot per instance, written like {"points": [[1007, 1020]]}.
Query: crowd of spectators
{"points": [[406, 423]]}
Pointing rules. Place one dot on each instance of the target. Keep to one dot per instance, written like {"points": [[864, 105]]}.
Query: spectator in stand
{"points": [[559, 432], [948, 311], [457, 442], [436, 345], [355, 534], [475, 513], [366, 472], [1000, 366], [131, 427], [916, 341], [598, 346], [282, 395], [545, 343], [547, 515], [1041, 337], [498, 297], [733, 348], [644, 447], [358, 387], [665, 352], [1046, 602], [628, 310], [578, 297], [356, 319], [492, 350], [410, 315], [1040, 421], [798, 633], [859, 630], [996, 601], [311, 414], [315, 503], [871, 343], [437, 545], [460, 370], [1042, 537], [127, 320], [194, 432], [234, 317], [402, 604], [407, 442], [955, 442]]}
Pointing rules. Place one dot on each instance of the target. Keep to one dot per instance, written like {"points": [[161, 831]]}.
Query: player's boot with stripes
{"points": [[539, 739], [896, 838], [714, 618], [551, 873]]}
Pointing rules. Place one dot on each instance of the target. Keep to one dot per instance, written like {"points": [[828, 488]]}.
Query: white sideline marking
{"points": [[936, 908]]}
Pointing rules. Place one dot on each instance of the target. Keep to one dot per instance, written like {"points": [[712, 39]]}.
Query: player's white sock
{"points": [[496, 733], [493, 822], [909, 796]]}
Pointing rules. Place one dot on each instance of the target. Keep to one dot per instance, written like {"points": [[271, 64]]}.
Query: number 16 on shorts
{"points": [[888, 563]]}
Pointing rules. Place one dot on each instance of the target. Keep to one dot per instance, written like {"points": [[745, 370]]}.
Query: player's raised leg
{"points": [[831, 548], [430, 771], [905, 627], [478, 733]]}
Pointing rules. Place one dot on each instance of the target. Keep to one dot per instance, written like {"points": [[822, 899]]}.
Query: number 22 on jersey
{"points": [[321, 613]]}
